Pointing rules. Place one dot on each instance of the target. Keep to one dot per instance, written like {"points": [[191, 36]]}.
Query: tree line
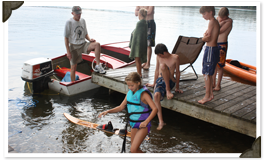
{"points": [[243, 7]]}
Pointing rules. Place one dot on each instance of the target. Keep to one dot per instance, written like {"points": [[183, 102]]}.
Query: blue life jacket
{"points": [[137, 110]]}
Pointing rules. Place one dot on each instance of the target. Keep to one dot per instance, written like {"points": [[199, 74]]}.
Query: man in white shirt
{"points": [[75, 34]]}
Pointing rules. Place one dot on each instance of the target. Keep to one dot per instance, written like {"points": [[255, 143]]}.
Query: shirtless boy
{"points": [[225, 28], [151, 32], [211, 53], [164, 79]]}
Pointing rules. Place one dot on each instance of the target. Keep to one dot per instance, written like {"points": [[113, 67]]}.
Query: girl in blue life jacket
{"points": [[137, 100]]}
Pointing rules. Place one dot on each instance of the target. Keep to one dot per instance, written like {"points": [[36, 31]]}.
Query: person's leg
{"points": [[138, 137], [73, 70], [208, 88], [166, 76], [96, 47], [214, 76], [222, 54], [138, 65], [157, 97], [211, 88], [147, 64], [220, 76]]}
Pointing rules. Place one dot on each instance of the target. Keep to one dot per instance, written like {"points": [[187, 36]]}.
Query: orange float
{"points": [[242, 70]]}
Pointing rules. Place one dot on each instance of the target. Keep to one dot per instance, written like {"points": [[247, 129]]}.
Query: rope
{"points": [[129, 114]]}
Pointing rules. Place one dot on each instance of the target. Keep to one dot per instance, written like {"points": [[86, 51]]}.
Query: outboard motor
{"points": [[37, 71]]}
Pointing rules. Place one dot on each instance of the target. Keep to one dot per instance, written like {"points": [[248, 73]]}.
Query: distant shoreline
{"points": [[242, 7]]}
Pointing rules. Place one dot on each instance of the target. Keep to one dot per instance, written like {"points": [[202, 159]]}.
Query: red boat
{"points": [[46, 73]]}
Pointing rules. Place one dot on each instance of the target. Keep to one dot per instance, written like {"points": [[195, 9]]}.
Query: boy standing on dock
{"points": [[225, 28], [164, 80], [211, 53]]}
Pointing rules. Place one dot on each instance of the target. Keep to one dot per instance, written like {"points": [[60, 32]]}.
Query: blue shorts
{"points": [[161, 87], [210, 60]]}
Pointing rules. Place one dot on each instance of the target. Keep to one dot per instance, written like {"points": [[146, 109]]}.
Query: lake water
{"points": [[38, 32]]}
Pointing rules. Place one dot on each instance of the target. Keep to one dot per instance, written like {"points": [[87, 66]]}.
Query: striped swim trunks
{"points": [[210, 60]]}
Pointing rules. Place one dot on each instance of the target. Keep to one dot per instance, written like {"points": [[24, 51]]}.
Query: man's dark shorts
{"points": [[161, 87], [151, 32]]}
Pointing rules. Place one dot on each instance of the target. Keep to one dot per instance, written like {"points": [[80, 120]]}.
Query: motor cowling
{"points": [[37, 71]]}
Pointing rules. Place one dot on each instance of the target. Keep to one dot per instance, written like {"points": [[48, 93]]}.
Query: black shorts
{"points": [[151, 32]]}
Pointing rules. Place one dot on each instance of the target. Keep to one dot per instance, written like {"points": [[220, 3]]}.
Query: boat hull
{"points": [[249, 75], [113, 56], [72, 88]]}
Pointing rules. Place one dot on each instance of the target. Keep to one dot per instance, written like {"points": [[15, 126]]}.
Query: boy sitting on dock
{"points": [[225, 28], [211, 53], [164, 79]]}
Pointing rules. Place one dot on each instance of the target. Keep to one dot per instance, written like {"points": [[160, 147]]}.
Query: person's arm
{"points": [[67, 32], [147, 100], [66, 40], [207, 35], [137, 10], [89, 39], [227, 24], [116, 109]]}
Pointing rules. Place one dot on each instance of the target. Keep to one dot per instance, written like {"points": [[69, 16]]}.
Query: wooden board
{"points": [[91, 125]]}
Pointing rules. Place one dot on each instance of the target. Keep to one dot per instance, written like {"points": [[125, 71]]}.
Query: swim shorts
{"points": [[210, 60], [222, 51], [161, 87], [137, 124], [151, 32], [76, 52]]}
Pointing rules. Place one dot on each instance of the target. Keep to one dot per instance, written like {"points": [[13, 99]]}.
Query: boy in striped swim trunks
{"points": [[211, 53]]}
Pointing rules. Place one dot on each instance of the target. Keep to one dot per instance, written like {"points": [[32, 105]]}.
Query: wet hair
{"points": [[143, 12], [134, 77], [223, 12], [160, 48], [204, 9]]}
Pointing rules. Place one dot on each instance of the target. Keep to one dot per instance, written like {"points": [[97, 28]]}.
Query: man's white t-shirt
{"points": [[75, 31]]}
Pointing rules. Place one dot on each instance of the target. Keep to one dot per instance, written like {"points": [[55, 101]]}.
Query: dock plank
{"points": [[234, 102], [251, 116], [233, 107], [249, 108]]}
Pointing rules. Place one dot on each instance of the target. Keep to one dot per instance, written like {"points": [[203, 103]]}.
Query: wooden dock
{"points": [[233, 107]]}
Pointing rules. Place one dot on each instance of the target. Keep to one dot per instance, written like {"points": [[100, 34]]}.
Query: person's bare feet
{"points": [[217, 88], [146, 67], [204, 100], [161, 125], [169, 95]]}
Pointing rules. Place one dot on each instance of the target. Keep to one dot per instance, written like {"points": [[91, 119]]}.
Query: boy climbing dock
{"points": [[211, 53]]}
